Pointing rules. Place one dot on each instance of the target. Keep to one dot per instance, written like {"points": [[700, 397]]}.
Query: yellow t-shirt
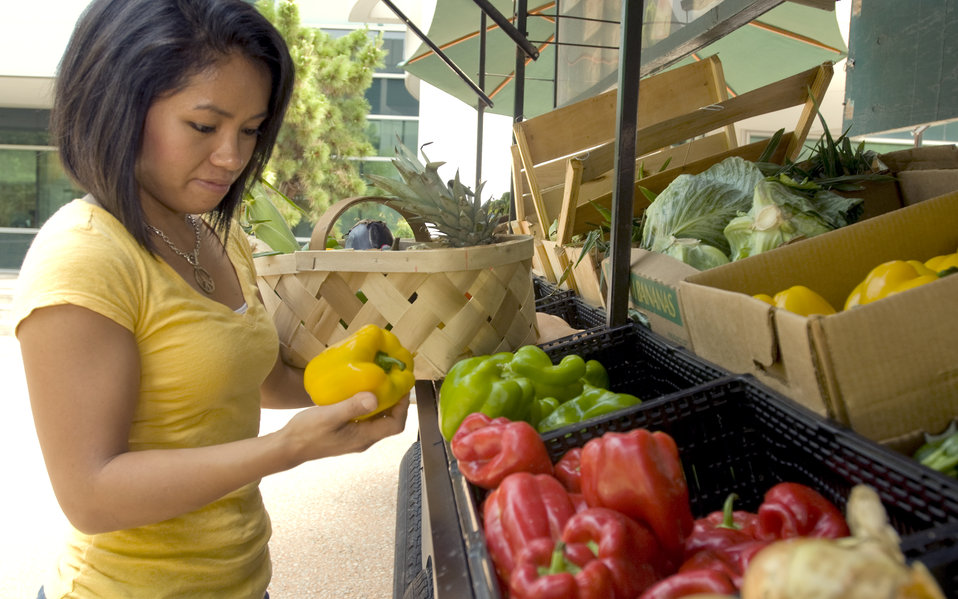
{"points": [[202, 364]]}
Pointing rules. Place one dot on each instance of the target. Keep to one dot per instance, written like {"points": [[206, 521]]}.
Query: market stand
{"points": [[721, 422], [440, 548]]}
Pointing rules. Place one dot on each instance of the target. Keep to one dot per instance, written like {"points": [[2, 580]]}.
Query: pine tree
{"points": [[325, 125]]}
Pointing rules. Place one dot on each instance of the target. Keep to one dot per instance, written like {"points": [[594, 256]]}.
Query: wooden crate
{"points": [[562, 181]]}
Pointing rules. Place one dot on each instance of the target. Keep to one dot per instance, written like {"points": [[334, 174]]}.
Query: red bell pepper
{"points": [[568, 470], [524, 507], [603, 554], [692, 582], [724, 540], [488, 449], [628, 549], [578, 500], [553, 570], [639, 474], [795, 510], [721, 529], [731, 561]]}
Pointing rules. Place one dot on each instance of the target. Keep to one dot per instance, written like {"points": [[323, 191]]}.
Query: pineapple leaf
{"points": [[452, 208]]}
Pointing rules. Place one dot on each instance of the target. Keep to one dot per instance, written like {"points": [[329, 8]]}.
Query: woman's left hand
{"points": [[324, 431]]}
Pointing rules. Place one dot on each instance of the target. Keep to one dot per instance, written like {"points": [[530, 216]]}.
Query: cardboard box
{"points": [[654, 291], [921, 173], [888, 370]]}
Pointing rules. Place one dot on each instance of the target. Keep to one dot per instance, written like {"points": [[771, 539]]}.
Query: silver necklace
{"points": [[202, 276]]}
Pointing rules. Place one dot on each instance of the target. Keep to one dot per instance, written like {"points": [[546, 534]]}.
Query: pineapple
{"points": [[452, 209]]}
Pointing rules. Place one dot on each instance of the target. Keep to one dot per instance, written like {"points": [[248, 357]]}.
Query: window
{"points": [[388, 96], [383, 134], [394, 43], [33, 185]]}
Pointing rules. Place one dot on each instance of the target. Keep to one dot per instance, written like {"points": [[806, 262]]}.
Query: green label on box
{"points": [[655, 297]]}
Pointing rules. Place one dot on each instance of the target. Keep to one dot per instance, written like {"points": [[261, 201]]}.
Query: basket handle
{"points": [[332, 214]]}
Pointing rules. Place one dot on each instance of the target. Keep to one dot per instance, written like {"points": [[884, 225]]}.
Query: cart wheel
{"points": [[408, 552], [421, 585]]}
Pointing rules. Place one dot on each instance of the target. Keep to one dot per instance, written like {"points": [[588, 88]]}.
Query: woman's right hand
{"points": [[324, 431]]}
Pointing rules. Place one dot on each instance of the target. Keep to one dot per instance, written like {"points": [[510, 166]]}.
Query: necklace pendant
{"points": [[203, 279]]}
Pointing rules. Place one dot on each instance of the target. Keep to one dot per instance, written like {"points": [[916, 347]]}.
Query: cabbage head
{"points": [[777, 216], [695, 253], [700, 206]]}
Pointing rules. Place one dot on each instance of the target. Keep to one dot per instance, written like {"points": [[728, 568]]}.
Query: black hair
{"points": [[125, 54]]}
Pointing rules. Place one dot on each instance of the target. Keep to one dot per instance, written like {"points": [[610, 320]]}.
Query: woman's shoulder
{"points": [[81, 228], [80, 241], [81, 255], [82, 214]]}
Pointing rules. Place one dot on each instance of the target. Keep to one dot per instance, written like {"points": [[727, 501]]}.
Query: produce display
{"points": [[894, 277], [612, 519], [371, 359], [733, 210], [800, 300], [886, 279], [865, 565], [525, 385]]}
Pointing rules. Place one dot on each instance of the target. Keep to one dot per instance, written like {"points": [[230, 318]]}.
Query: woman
{"points": [[147, 351]]}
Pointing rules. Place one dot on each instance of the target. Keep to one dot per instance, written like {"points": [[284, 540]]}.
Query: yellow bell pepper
{"points": [[768, 299], [371, 359], [943, 262], [888, 279], [802, 300]]}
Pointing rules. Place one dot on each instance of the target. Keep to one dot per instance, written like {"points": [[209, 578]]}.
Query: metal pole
{"points": [[555, 57], [442, 55], [520, 79], [518, 33], [623, 195], [480, 108]]}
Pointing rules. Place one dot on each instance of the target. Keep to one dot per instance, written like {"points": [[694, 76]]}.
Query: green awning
{"points": [[787, 39]]}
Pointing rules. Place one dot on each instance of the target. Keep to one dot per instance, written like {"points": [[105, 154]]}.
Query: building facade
{"points": [[33, 185]]}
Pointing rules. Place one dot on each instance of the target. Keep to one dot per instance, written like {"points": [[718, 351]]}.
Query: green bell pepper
{"points": [[596, 374], [521, 385], [592, 402], [542, 408], [482, 384], [561, 381]]}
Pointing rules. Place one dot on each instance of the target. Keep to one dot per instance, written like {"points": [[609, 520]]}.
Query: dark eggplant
{"points": [[369, 234]]}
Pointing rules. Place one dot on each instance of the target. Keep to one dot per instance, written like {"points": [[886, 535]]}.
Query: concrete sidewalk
{"points": [[333, 520]]}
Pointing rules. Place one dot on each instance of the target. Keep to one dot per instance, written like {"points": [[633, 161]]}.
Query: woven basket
{"points": [[443, 304]]}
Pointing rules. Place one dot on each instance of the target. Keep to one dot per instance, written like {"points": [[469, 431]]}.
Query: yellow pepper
{"points": [[768, 299], [943, 262], [888, 279], [802, 300], [371, 359]]}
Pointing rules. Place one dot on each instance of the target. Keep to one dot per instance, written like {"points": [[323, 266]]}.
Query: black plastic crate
{"points": [[735, 435], [545, 291], [639, 361], [574, 310]]}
